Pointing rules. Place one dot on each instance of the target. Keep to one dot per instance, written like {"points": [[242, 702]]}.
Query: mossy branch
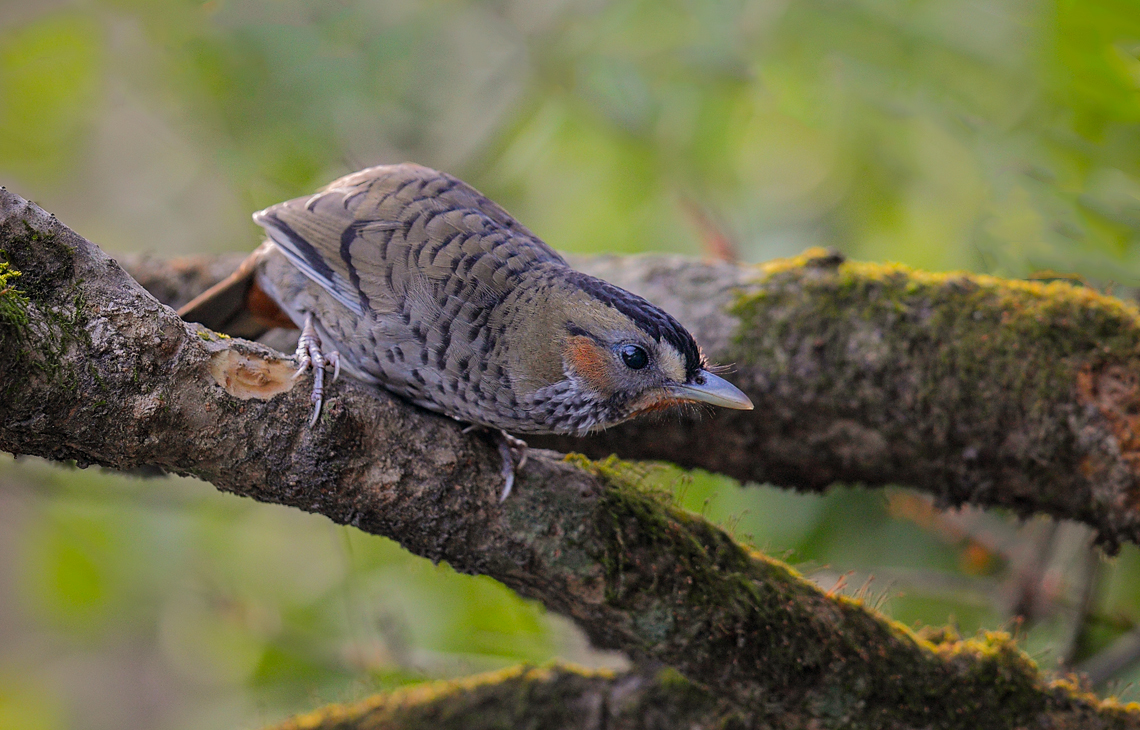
{"points": [[973, 389], [552, 698], [102, 373]]}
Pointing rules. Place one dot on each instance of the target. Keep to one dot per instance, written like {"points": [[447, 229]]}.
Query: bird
{"points": [[407, 278]]}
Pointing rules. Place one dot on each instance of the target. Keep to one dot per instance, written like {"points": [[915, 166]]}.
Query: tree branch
{"points": [[974, 389], [98, 371], [552, 698]]}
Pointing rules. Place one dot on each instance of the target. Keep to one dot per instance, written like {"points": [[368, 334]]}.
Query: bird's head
{"points": [[619, 357]]}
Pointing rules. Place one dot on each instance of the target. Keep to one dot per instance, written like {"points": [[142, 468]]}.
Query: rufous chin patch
{"points": [[656, 401]]}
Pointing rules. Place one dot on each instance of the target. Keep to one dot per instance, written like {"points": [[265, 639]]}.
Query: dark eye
{"points": [[634, 357]]}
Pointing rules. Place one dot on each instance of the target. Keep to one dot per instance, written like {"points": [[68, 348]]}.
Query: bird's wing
{"points": [[376, 236]]}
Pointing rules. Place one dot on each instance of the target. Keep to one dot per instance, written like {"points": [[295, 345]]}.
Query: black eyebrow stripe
{"points": [[577, 331], [658, 324]]}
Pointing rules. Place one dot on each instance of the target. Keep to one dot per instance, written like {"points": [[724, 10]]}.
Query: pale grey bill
{"points": [[715, 391]]}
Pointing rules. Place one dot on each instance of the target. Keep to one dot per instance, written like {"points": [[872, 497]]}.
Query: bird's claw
{"points": [[514, 453], [512, 449], [309, 356]]}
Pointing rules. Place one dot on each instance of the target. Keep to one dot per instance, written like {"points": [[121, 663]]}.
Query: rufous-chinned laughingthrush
{"points": [[410, 279]]}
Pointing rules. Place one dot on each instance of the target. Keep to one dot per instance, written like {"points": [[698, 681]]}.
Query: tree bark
{"points": [[97, 371], [551, 698], [999, 393]]}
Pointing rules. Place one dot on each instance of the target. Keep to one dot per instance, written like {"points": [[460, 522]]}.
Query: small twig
{"points": [[1121, 655]]}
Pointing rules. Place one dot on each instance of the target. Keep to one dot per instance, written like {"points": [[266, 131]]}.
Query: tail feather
{"points": [[236, 305]]}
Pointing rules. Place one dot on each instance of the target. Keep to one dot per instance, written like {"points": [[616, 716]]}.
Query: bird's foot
{"points": [[309, 355], [513, 450]]}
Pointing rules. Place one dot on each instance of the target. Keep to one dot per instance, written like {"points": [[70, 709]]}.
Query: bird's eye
{"points": [[634, 357]]}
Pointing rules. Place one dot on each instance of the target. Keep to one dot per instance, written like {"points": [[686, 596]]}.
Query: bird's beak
{"points": [[712, 389]]}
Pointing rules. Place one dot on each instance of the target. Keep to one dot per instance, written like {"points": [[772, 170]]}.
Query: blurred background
{"points": [[1000, 136]]}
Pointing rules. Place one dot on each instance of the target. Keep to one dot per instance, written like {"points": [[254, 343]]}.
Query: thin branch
{"points": [[1121, 655], [97, 371]]}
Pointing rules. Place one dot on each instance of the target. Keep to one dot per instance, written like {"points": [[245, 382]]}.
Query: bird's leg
{"points": [[513, 450], [309, 355], [518, 448]]}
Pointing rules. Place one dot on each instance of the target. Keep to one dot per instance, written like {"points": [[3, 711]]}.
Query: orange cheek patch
{"points": [[590, 362]]}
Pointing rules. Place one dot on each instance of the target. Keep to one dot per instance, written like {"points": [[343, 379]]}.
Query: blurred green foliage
{"points": [[49, 74], [998, 136]]}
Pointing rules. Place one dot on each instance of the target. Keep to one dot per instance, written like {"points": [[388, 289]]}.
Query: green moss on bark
{"points": [[45, 264], [968, 385], [979, 325], [13, 304], [553, 697], [752, 628], [43, 258]]}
